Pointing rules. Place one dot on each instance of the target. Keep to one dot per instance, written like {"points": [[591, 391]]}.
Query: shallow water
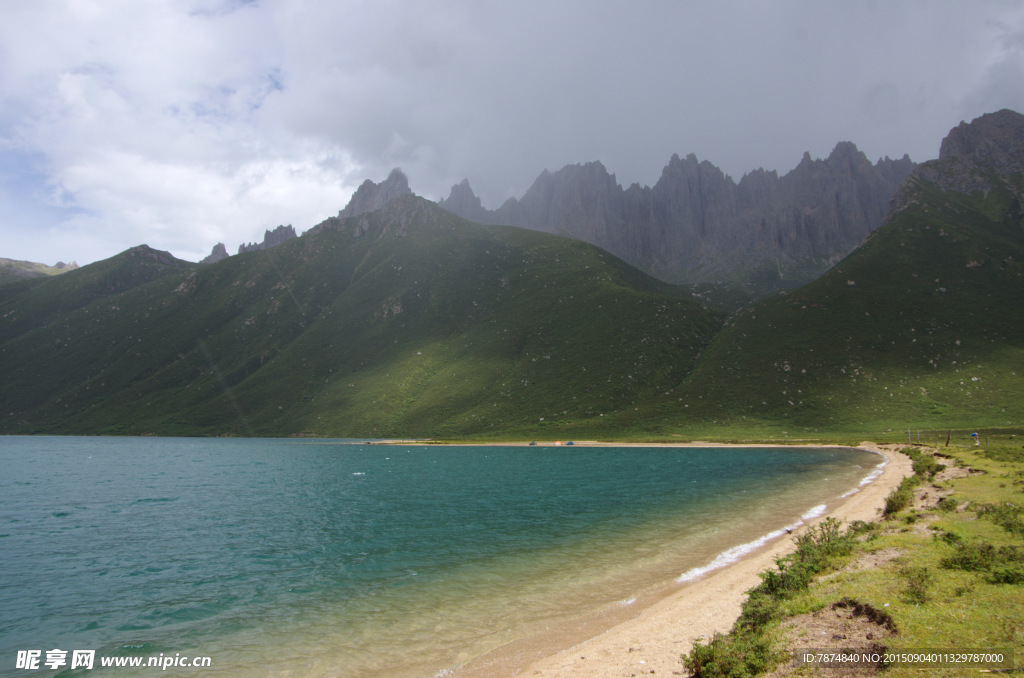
{"points": [[298, 558]]}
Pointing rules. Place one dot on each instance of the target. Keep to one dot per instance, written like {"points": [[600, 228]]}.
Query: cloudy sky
{"points": [[181, 123]]}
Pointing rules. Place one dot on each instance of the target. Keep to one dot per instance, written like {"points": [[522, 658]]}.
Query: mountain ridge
{"points": [[411, 321], [697, 225]]}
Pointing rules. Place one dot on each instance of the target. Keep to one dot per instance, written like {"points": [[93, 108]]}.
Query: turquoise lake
{"points": [[335, 558]]}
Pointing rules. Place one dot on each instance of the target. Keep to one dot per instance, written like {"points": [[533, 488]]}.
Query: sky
{"points": [[183, 123]]}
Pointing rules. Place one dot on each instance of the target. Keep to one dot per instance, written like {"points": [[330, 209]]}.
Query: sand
{"points": [[653, 641]]}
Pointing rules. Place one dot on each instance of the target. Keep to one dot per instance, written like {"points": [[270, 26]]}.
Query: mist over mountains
{"points": [[697, 225], [399, 318]]}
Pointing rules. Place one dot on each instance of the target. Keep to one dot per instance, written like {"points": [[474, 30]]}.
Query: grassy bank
{"points": [[943, 570]]}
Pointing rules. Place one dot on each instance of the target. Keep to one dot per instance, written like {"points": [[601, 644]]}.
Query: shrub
{"points": [[1013, 574], [919, 580], [815, 551], [1006, 516], [947, 504], [742, 656], [982, 557], [925, 466], [822, 543], [759, 610], [788, 579], [901, 497]]}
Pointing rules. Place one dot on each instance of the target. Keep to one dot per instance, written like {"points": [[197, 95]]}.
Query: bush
{"points": [[901, 497], [742, 656], [919, 580], [982, 557], [746, 651], [759, 610], [1013, 574], [1006, 516], [947, 504], [925, 466], [815, 551], [819, 545]]}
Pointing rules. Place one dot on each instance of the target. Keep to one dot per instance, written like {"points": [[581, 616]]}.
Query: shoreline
{"points": [[653, 639]]}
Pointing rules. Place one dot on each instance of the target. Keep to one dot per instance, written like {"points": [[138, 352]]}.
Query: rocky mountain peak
{"points": [[147, 252], [995, 140], [968, 157], [270, 239], [463, 201], [370, 197], [697, 224], [218, 253]]}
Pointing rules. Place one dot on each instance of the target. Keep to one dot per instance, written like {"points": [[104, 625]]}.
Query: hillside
{"points": [[921, 327], [407, 321], [13, 270], [399, 319]]}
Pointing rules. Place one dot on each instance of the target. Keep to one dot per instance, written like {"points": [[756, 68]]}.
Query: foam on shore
{"points": [[735, 553]]}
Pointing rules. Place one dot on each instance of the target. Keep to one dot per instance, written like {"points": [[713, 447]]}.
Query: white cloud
{"points": [[182, 122]]}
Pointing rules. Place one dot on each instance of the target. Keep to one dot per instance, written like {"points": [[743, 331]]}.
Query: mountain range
{"points": [[399, 318], [14, 269], [697, 225]]}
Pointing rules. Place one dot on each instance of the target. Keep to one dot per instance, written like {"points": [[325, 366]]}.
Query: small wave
{"points": [[359, 473], [849, 493], [626, 602], [815, 512], [871, 477], [735, 553]]}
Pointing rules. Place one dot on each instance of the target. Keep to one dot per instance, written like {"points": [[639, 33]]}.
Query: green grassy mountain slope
{"points": [[922, 326], [14, 270], [405, 322]]}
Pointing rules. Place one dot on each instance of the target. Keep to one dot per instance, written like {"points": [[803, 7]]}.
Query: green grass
{"points": [[956, 583], [920, 326], [406, 322], [410, 322]]}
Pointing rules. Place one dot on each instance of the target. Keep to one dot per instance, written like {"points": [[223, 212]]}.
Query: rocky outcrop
{"points": [[270, 239], [218, 253], [994, 141], [465, 203], [696, 224], [971, 156], [370, 197]]}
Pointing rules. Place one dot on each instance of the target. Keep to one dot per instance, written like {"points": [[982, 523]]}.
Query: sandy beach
{"points": [[652, 641]]}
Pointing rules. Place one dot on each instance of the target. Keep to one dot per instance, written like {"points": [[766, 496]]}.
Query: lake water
{"points": [[329, 558]]}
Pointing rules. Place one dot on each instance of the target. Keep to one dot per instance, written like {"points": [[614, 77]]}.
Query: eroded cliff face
{"points": [[971, 156], [270, 239], [696, 224], [370, 196]]}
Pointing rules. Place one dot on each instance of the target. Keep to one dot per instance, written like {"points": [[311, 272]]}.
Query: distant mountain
{"points": [[921, 327], [405, 321], [219, 253], [408, 320], [12, 270], [697, 225], [370, 197]]}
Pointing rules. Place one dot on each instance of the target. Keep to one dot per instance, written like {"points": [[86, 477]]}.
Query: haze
{"points": [[183, 123]]}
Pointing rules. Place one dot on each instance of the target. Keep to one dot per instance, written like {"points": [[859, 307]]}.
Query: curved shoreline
{"points": [[709, 602]]}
